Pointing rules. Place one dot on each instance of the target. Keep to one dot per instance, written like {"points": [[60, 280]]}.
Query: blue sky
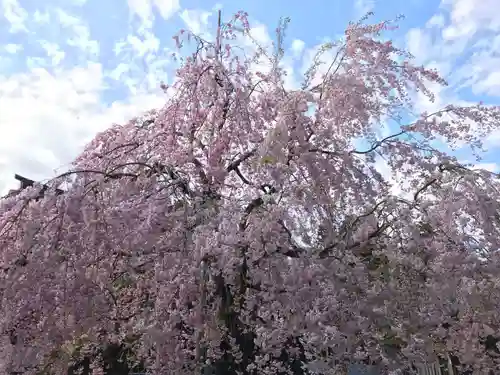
{"points": [[70, 68]]}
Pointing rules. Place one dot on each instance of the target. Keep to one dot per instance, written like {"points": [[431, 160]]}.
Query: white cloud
{"points": [[142, 46], [462, 41], [63, 112], [80, 33], [436, 20], [298, 47], [15, 15], [361, 7], [12, 48], [53, 51], [490, 85], [470, 16], [167, 8], [41, 17], [444, 40], [491, 167], [418, 42], [261, 35], [144, 10], [479, 73], [57, 104], [121, 70], [142, 62], [196, 20]]}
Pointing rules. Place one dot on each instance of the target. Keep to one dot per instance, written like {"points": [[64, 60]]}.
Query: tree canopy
{"points": [[244, 227]]}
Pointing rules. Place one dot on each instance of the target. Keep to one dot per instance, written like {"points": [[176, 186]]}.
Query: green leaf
{"points": [[267, 160]]}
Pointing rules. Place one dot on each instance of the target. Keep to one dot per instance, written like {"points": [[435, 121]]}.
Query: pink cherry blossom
{"points": [[240, 227]]}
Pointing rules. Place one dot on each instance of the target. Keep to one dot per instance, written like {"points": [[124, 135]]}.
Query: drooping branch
{"points": [[235, 164]]}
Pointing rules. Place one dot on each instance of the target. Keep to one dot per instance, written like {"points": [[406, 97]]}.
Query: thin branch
{"points": [[243, 178], [378, 144], [235, 164]]}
